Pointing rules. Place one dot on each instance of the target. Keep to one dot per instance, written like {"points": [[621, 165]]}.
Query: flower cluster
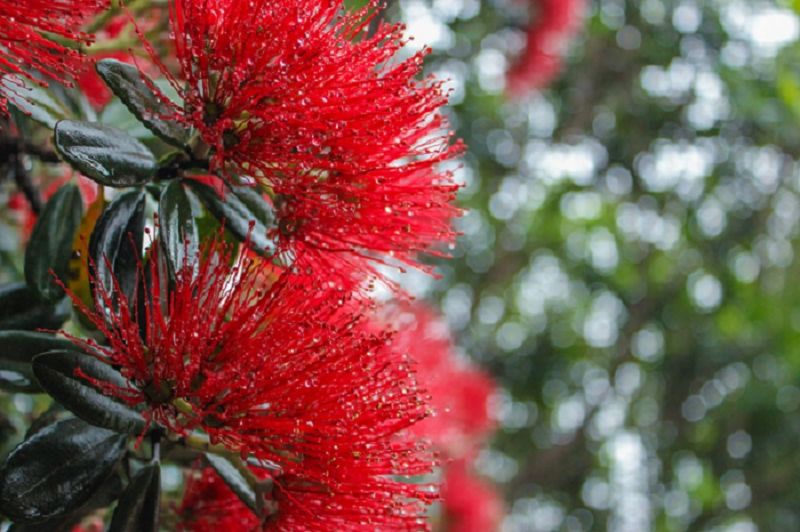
{"points": [[26, 38], [289, 373], [555, 23], [298, 96], [283, 370]]}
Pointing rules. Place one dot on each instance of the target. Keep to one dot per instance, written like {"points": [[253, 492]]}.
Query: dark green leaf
{"points": [[50, 246], [56, 373], [34, 101], [179, 232], [234, 479], [245, 213], [116, 242], [137, 510], [20, 308], [103, 496], [22, 346], [106, 154], [57, 470], [17, 349], [129, 85]]}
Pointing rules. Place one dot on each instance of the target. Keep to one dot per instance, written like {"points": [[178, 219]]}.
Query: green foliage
{"points": [[235, 480], [57, 469], [180, 235], [70, 378], [106, 154], [116, 242], [137, 93], [49, 250], [138, 509], [244, 212]]}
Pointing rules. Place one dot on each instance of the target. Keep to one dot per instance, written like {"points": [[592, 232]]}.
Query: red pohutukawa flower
{"points": [[26, 45], [298, 96], [556, 22], [209, 505], [460, 393], [282, 370]]}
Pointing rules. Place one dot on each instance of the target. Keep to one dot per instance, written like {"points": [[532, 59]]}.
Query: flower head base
{"points": [[282, 370], [26, 45], [299, 97]]}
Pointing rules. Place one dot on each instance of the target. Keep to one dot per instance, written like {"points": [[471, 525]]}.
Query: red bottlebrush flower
{"points": [[555, 24], [25, 45], [209, 505], [297, 96], [282, 370], [460, 394], [469, 504]]}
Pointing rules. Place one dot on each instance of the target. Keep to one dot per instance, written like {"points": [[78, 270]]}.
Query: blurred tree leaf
{"points": [[34, 101], [235, 481], [20, 308]]}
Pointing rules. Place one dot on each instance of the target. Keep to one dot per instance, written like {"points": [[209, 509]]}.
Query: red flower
{"points": [[460, 394], [556, 22], [209, 505], [281, 370], [468, 503], [296, 95], [25, 43]]}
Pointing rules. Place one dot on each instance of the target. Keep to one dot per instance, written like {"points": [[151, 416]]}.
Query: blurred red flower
{"points": [[469, 504], [460, 393], [555, 24]]}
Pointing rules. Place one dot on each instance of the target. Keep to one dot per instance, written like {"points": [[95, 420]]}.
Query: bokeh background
{"points": [[627, 269]]}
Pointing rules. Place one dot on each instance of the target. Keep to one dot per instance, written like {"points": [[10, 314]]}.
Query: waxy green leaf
{"points": [[57, 470], [178, 222], [116, 242], [107, 155], [138, 507], [128, 83], [20, 308], [50, 247], [57, 373], [245, 213]]}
